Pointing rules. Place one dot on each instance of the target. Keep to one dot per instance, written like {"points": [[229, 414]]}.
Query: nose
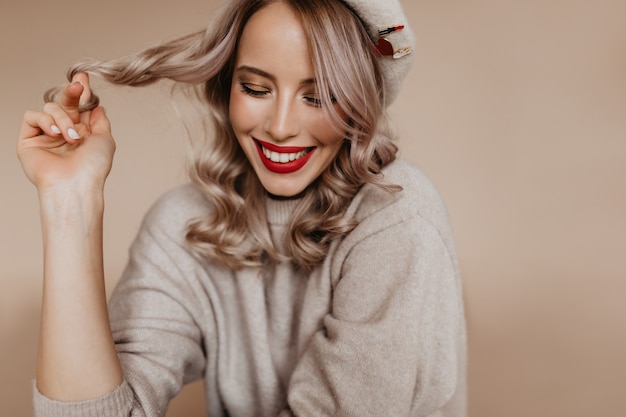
{"points": [[282, 121]]}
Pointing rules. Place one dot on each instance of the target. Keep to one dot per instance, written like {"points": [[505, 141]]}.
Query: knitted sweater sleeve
{"points": [[393, 343], [154, 323]]}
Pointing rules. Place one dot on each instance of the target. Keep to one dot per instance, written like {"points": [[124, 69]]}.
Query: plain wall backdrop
{"points": [[516, 110]]}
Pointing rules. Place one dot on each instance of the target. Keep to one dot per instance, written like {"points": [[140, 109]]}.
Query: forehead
{"points": [[274, 37]]}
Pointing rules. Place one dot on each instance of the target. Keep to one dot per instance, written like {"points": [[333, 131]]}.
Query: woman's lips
{"points": [[283, 159]]}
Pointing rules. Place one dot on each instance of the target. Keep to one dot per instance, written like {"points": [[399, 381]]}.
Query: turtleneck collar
{"points": [[279, 211]]}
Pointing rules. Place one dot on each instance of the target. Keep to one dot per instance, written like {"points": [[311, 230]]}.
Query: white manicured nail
{"points": [[55, 129], [73, 134]]}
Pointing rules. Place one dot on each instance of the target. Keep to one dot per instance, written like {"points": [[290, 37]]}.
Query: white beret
{"points": [[386, 19]]}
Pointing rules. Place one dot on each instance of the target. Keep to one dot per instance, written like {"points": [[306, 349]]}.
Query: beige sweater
{"points": [[377, 330]]}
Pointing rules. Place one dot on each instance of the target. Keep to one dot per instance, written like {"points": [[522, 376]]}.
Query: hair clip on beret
{"points": [[385, 48], [392, 39]]}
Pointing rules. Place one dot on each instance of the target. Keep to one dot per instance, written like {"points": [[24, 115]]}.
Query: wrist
{"points": [[71, 205]]}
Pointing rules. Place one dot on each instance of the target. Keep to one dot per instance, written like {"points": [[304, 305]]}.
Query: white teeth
{"points": [[282, 158]]}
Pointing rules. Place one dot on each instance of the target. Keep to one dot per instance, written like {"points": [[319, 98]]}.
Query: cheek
{"points": [[325, 131], [241, 112], [234, 108]]}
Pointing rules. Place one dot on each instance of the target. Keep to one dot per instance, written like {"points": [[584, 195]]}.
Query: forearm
{"points": [[77, 358]]}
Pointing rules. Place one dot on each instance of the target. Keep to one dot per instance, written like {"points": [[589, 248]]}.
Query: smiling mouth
{"points": [[283, 159]]}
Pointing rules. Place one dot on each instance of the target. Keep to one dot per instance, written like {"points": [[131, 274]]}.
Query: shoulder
{"points": [[419, 198], [411, 221], [406, 231], [172, 212]]}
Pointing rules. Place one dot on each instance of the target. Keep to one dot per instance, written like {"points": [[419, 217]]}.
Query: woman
{"points": [[304, 271]]}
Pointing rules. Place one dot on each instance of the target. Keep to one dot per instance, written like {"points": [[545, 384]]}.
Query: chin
{"points": [[285, 191]]}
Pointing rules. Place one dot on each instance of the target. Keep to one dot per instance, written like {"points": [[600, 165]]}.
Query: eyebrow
{"points": [[265, 74]]}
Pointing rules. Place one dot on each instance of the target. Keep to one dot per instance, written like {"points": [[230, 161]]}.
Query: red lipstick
{"points": [[283, 167]]}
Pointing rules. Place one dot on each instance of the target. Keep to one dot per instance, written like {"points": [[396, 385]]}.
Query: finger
{"points": [[35, 122], [83, 79], [62, 119], [70, 100]]}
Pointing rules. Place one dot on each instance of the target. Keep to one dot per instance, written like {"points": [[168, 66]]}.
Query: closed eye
{"points": [[253, 89], [313, 100]]}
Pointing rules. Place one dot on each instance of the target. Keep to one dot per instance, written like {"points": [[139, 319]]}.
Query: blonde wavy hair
{"points": [[236, 234]]}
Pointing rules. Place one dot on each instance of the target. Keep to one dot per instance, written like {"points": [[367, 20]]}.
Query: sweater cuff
{"points": [[114, 404]]}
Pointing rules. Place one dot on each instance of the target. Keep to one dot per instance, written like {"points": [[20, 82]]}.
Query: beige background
{"points": [[516, 110]]}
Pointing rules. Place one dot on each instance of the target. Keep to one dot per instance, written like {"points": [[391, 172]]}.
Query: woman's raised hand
{"points": [[67, 153], [61, 146]]}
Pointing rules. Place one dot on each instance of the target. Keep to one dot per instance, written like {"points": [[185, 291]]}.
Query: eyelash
{"points": [[246, 89], [251, 91], [315, 102]]}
